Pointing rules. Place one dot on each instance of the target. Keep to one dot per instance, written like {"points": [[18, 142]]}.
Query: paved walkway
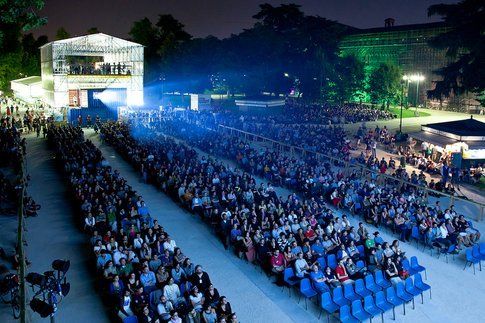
{"points": [[252, 295], [53, 234]]}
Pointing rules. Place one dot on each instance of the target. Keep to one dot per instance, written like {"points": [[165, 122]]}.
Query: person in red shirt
{"points": [[278, 262], [310, 233], [341, 273]]}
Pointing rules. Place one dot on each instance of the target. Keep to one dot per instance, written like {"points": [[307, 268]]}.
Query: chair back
{"points": [[322, 262], [348, 289], [379, 276], [369, 302], [305, 285], [360, 264], [326, 299], [130, 319], [380, 297], [288, 273], [391, 293], [332, 261], [475, 252], [357, 308], [359, 285], [415, 233], [469, 256], [345, 313], [414, 261], [405, 264], [338, 293]]}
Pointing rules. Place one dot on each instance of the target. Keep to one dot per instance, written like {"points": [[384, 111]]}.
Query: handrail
{"points": [[20, 246], [304, 151]]}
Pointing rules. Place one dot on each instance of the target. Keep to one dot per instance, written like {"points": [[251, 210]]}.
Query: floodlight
{"points": [[61, 265], [35, 279], [39, 306]]}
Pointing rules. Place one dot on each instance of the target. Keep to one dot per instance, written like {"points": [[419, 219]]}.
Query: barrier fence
{"points": [[471, 209]]}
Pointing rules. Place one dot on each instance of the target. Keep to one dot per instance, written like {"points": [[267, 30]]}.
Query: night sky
{"points": [[220, 18]]}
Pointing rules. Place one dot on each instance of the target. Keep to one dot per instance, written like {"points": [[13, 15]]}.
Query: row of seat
{"points": [[360, 306], [475, 255]]}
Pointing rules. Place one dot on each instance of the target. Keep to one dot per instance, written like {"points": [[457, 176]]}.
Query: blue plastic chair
{"points": [[371, 285], [360, 288], [406, 266], [402, 294], [290, 279], [379, 240], [358, 312], [130, 319], [476, 253], [470, 260], [360, 264], [392, 298], [413, 290], [338, 297], [450, 251], [371, 308], [418, 283], [322, 262], [383, 304], [361, 250], [306, 290], [482, 248], [417, 268], [380, 280], [416, 235], [350, 294], [327, 305], [332, 261], [339, 254], [345, 316]]}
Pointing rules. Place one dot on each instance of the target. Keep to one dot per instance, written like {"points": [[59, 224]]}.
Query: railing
{"points": [[474, 209], [20, 243]]}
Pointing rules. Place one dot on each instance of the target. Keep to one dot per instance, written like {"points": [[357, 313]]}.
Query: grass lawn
{"points": [[407, 113], [481, 184]]}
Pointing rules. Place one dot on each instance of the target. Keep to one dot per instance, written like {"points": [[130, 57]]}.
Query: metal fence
{"points": [[469, 208]]}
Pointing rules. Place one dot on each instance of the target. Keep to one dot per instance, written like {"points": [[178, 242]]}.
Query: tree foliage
{"points": [[385, 83], [465, 46], [62, 33]]}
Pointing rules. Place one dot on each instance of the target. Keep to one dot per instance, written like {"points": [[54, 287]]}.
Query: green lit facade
{"points": [[405, 46]]}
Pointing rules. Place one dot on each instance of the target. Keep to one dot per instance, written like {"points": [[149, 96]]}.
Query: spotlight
{"points": [[61, 265], [41, 307], [65, 288], [35, 279]]}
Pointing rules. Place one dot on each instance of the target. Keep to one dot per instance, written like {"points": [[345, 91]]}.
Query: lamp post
{"points": [[405, 78]]}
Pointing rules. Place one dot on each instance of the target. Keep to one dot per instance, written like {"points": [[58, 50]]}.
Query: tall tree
{"points": [[62, 33], [384, 84], [465, 46], [93, 30], [19, 16]]}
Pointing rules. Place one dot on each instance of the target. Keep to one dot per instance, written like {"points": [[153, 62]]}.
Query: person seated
{"points": [[341, 273], [301, 266], [319, 280], [391, 271]]}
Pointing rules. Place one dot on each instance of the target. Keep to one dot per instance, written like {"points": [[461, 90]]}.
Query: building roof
{"points": [[430, 25], [94, 39], [466, 127], [28, 80]]}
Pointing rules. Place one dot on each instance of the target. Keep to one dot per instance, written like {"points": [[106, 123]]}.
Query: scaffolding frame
{"points": [[57, 79]]}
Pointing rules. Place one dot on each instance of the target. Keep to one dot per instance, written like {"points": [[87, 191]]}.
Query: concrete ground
{"points": [[53, 234], [456, 293]]}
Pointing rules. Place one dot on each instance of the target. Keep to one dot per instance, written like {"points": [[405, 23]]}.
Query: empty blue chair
{"points": [[379, 240], [418, 283], [338, 297], [482, 248], [327, 305], [358, 312], [406, 266], [380, 280], [322, 262], [345, 316], [383, 304], [413, 290], [360, 264], [371, 308], [332, 261], [402, 294], [290, 279], [307, 290], [130, 319], [360, 288], [476, 253], [361, 250], [350, 294], [371, 285], [450, 251], [417, 268], [416, 235], [470, 260], [392, 298]]}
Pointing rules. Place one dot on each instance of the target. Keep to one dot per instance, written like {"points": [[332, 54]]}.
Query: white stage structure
{"points": [[72, 67]]}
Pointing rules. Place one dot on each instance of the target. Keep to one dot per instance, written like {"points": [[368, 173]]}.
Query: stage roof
{"points": [[94, 40], [466, 127], [31, 80]]}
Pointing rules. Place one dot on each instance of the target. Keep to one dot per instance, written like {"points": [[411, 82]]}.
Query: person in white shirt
{"points": [[138, 241], [171, 291], [169, 245], [301, 266]]}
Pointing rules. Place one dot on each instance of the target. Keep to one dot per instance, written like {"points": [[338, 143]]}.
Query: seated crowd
{"points": [[141, 270], [403, 208], [275, 232]]}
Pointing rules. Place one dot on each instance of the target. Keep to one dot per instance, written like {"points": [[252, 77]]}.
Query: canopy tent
{"points": [[28, 89]]}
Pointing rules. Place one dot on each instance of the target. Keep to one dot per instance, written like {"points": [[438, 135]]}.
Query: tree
{"points": [[347, 79], [384, 84], [62, 33], [92, 30], [19, 16], [465, 46]]}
